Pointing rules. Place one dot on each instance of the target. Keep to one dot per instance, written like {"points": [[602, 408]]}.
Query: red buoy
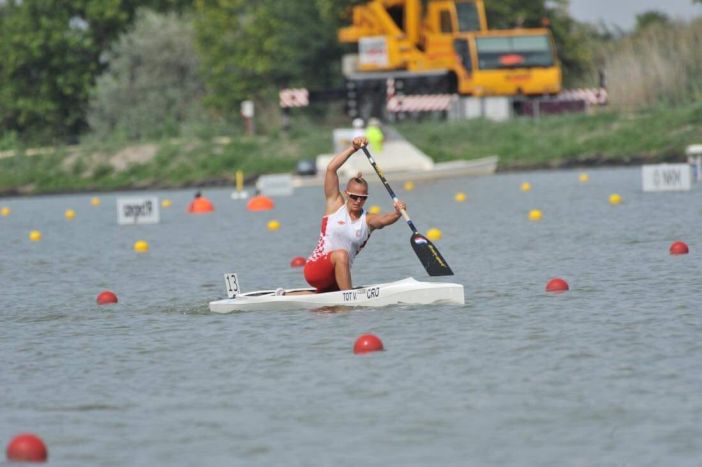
{"points": [[260, 203], [200, 205], [368, 343], [557, 285], [297, 262], [679, 248], [106, 297], [27, 447]]}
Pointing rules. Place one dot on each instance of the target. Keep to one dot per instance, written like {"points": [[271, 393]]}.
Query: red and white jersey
{"points": [[340, 232]]}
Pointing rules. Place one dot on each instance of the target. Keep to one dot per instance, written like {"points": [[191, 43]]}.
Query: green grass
{"points": [[603, 138], [606, 137]]}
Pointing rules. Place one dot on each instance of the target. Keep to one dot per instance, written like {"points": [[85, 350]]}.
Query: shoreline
{"points": [[597, 162], [571, 141]]}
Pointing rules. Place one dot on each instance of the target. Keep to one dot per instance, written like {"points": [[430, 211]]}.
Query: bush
{"points": [[152, 84]]}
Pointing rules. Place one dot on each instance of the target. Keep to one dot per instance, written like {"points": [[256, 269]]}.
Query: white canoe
{"points": [[406, 291]]}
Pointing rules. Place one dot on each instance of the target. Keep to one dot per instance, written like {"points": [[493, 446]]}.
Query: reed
{"points": [[659, 65]]}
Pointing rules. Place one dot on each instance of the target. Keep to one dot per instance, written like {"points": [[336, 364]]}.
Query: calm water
{"points": [[609, 373]]}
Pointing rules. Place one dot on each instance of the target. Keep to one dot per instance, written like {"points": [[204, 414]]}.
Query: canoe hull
{"points": [[406, 291]]}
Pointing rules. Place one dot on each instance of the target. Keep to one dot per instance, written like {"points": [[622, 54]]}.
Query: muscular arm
{"points": [[378, 221], [332, 195]]}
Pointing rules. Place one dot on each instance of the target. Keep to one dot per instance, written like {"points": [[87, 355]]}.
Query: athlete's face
{"points": [[356, 195]]}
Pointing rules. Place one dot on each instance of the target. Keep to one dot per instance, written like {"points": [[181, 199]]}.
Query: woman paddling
{"points": [[345, 226]]}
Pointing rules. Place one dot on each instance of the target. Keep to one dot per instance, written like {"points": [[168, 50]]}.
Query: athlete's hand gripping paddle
{"points": [[427, 253]]}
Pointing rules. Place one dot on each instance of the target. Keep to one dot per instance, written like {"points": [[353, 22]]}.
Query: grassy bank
{"points": [[604, 138]]}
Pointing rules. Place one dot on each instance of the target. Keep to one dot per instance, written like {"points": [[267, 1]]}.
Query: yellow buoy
{"points": [[535, 215], [70, 214], [375, 209], [35, 235], [460, 197], [526, 186], [615, 198], [273, 225], [141, 246], [434, 234], [409, 185], [584, 178], [166, 203], [4, 212], [95, 201]]}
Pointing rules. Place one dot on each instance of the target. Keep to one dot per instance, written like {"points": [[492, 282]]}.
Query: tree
{"points": [[250, 49], [50, 54], [651, 18], [152, 84]]}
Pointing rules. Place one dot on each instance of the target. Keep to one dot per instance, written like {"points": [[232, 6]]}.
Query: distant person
{"points": [[375, 135], [346, 226], [200, 204]]}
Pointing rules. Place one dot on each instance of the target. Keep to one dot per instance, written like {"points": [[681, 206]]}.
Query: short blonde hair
{"points": [[358, 179]]}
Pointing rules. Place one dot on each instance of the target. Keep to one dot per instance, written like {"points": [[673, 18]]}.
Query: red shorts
{"points": [[320, 274]]}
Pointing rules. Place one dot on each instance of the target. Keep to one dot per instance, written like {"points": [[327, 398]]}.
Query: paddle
{"points": [[427, 253]]}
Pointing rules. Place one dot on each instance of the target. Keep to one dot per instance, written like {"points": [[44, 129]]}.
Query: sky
{"points": [[623, 13]]}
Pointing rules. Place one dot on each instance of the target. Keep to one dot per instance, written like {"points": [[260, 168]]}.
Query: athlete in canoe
{"points": [[345, 226]]}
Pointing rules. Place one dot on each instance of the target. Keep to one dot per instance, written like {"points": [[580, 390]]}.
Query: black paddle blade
{"points": [[431, 259]]}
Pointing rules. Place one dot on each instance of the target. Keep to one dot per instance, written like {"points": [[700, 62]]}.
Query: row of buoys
{"points": [[537, 215], [558, 284], [583, 178]]}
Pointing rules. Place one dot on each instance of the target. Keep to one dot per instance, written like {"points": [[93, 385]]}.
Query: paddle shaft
{"points": [[427, 253], [394, 197]]}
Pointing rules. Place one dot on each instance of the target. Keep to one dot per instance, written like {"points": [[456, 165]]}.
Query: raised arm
{"points": [[332, 194], [378, 221]]}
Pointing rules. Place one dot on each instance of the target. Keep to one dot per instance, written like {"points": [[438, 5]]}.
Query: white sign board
{"points": [[275, 185], [666, 177], [137, 211], [373, 51], [247, 109]]}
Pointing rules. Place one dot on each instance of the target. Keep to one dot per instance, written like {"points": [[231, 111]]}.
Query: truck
{"points": [[441, 47]]}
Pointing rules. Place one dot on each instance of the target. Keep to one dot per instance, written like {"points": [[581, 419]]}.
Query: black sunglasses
{"points": [[357, 197]]}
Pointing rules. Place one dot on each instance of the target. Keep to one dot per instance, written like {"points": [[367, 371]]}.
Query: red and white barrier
{"points": [[591, 96], [420, 103], [294, 97]]}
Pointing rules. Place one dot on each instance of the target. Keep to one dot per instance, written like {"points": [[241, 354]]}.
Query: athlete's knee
{"points": [[340, 256]]}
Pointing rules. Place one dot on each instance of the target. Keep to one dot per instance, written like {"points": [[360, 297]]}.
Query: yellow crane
{"points": [[444, 46]]}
